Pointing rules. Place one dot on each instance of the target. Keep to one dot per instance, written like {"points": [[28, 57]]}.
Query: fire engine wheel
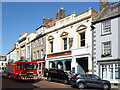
{"points": [[9, 76], [18, 77]]}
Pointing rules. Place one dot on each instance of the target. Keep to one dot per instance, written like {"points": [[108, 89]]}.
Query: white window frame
{"points": [[106, 27], [42, 53], [33, 55], [82, 39], [37, 54], [42, 40], [105, 48], [38, 42], [28, 52]]}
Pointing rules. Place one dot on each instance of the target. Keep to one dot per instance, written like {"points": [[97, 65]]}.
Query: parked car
{"points": [[59, 75], [89, 80]]}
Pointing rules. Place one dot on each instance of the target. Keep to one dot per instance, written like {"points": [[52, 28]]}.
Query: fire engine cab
{"points": [[22, 70]]}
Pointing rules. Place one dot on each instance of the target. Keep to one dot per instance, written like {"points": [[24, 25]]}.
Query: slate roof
{"points": [[112, 10]]}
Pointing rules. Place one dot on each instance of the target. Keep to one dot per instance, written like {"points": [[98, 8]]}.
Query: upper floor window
{"points": [[64, 36], [33, 55], [106, 48], [38, 42], [106, 27], [28, 52], [42, 53], [81, 35], [82, 39], [34, 43], [37, 54], [51, 46], [42, 40], [65, 43]]}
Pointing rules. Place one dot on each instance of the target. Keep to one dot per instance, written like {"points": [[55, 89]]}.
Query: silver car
{"points": [[89, 80]]}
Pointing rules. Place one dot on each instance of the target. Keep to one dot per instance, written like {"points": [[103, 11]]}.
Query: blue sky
{"points": [[18, 17]]}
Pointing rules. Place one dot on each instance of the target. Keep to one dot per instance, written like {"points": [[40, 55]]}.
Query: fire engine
{"points": [[22, 70]]}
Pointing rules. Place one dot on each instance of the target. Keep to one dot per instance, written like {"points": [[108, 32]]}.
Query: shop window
{"points": [[110, 71], [106, 49], [104, 71], [117, 71], [106, 27]]}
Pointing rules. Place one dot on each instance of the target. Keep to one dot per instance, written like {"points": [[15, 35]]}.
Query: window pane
{"points": [[106, 27], [65, 43], [51, 46], [82, 39]]}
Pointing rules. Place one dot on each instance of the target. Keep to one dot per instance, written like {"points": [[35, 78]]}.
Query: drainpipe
{"points": [[92, 29]]}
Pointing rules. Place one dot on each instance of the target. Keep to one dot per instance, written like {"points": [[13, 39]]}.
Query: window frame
{"points": [[81, 40], [65, 44], [102, 34], [103, 53]]}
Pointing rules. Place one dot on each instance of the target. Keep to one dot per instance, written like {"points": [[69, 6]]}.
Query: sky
{"points": [[18, 17]]}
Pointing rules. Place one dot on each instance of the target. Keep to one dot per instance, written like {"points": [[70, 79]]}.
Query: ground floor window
{"points": [[111, 71], [104, 71], [117, 71]]}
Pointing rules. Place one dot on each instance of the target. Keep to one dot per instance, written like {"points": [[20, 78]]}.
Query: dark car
{"points": [[58, 75], [89, 80]]}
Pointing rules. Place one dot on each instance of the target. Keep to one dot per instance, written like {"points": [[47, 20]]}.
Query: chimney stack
{"points": [[60, 14], [46, 21], [103, 4]]}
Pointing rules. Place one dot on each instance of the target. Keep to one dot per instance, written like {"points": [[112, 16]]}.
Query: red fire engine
{"points": [[22, 70]]}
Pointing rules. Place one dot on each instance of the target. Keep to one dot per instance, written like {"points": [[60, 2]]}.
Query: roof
{"points": [[108, 12], [52, 23]]}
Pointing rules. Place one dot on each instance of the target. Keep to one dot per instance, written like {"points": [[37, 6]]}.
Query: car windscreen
{"points": [[29, 66]]}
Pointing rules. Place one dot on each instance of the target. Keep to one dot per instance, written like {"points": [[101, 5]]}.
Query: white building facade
{"points": [[106, 51], [11, 55], [69, 43], [23, 46]]}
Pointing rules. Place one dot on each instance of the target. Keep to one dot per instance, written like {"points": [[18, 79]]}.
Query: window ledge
{"points": [[106, 34], [108, 55]]}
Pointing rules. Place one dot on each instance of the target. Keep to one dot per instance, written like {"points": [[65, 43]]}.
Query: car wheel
{"points": [[65, 81], [81, 85], [106, 87], [49, 79]]}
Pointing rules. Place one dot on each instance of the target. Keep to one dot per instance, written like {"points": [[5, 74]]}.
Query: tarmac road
{"points": [[39, 85]]}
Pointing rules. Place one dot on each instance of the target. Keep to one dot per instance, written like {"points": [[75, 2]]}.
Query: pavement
{"points": [[115, 87]]}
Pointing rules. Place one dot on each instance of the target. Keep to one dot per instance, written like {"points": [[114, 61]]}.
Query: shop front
{"points": [[61, 60], [110, 71], [41, 67]]}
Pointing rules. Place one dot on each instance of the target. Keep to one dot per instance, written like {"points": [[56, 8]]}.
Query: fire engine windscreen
{"points": [[29, 66]]}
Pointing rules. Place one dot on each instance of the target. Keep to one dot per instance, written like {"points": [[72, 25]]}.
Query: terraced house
{"points": [[23, 46], [69, 41], [106, 45], [39, 46]]}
